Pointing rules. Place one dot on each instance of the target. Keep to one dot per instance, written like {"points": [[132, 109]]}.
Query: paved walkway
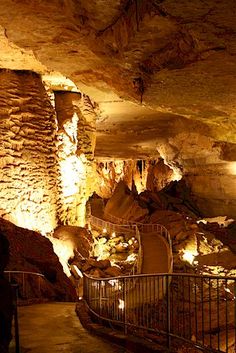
{"points": [[55, 328], [156, 254]]}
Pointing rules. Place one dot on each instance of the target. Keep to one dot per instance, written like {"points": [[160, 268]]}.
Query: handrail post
{"points": [[23, 284], [168, 311], [15, 314], [125, 304], [100, 297]]}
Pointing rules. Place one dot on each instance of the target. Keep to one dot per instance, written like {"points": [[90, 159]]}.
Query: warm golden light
{"points": [[121, 304], [64, 250], [188, 256], [24, 215], [232, 168], [72, 170], [73, 174], [131, 258]]}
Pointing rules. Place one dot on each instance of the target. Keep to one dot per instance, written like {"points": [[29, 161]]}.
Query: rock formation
{"points": [[161, 74], [127, 83], [31, 252]]}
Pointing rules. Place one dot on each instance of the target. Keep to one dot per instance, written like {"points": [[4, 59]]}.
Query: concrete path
{"points": [[156, 254], [55, 328]]}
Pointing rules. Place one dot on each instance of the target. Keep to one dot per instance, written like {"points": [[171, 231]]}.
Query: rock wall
{"points": [[159, 175], [208, 167], [31, 252], [76, 142], [46, 173], [28, 173]]}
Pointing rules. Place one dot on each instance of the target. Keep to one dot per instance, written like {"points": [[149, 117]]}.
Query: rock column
{"points": [[76, 143]]}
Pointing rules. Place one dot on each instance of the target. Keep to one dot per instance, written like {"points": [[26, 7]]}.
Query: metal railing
{"points": [[143, 227], [198, 310], [121, 228], [112, 227], [15, 317], [146, 228], [27, 288]]}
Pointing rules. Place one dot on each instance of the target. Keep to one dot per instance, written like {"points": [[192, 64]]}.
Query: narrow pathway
{"points": [[156, 254], [55, 328]]}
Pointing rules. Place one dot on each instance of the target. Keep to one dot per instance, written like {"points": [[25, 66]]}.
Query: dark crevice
{"points": [[114, 22]]}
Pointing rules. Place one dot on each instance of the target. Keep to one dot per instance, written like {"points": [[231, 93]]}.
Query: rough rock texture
{"points": [[159, 175], [124, 205], [110, 173], [79, 238], [127, 204], [29, 251], [46, 161], [76, 142], [28, 174], [144, 174], [162, 72], [209, 170]]}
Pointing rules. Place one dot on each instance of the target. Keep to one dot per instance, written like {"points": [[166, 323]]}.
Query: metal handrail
{"points": [[147, 228], [25, 272], [100, 223], [144, 227], [197, 309], [15, 317], [22, 282]]}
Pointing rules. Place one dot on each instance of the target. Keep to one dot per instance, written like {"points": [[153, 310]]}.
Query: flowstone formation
{"points": [[28, 152], [136, 81], [46, 153]]}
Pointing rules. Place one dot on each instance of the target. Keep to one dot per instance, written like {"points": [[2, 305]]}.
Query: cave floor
{"points": [[55, 328]]}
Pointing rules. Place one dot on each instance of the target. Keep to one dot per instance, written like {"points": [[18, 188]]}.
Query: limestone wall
{"points": [[209, 169], [76, 142], [28, 173], [214, 188], [46, 171]]}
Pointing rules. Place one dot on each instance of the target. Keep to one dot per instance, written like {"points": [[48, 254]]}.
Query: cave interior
{"points": [[123, 109]]}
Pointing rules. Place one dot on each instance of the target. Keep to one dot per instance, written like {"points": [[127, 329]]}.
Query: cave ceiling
{"points": [[155, 68]]}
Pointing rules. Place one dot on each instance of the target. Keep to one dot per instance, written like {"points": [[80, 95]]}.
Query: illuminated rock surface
{"points": [[134, 80], [175, 57]]}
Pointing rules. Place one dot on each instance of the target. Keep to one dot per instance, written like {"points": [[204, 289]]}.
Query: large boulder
{"points": [[79, 238], [123, 204], [32, 252]]}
